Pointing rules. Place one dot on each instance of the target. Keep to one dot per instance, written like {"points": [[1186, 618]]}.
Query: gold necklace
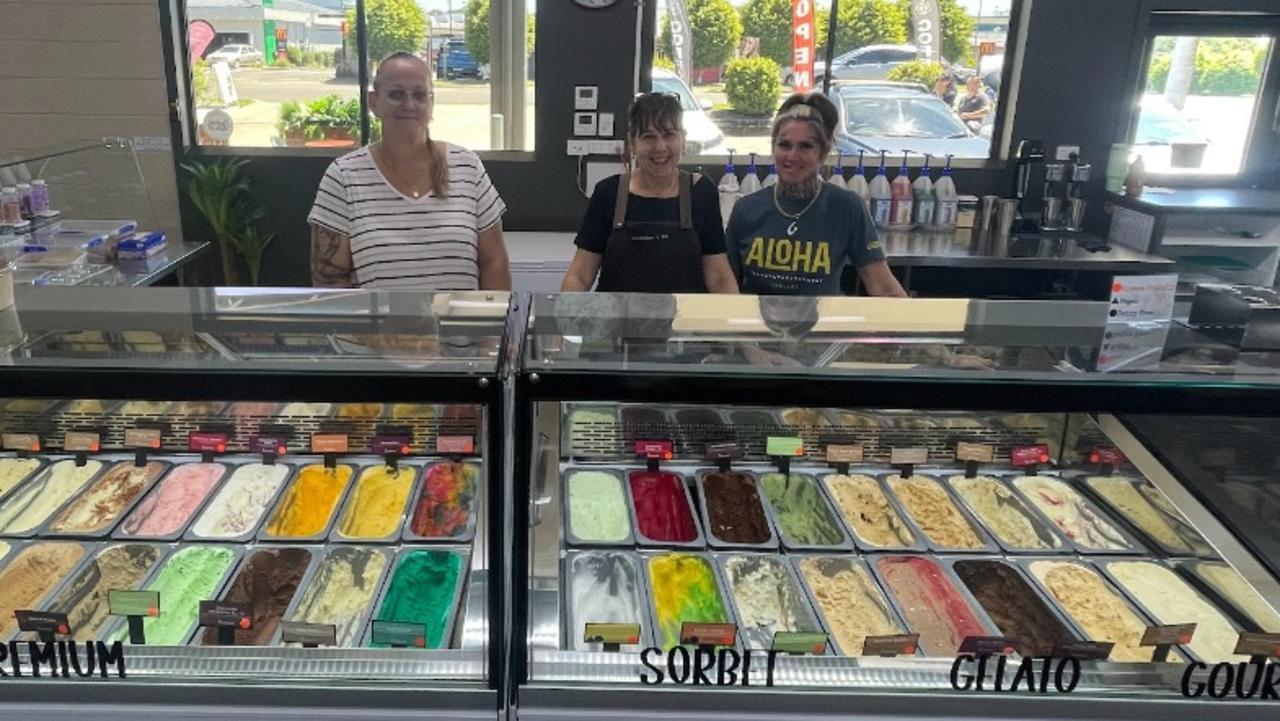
{"points": [[795, 217]]}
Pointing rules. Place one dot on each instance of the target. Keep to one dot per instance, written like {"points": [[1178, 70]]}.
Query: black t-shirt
{"points": [[973, 103], [597, 224]]}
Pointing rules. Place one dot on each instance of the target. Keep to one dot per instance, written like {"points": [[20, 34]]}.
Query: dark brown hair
{"points": [[813, 108], [439, 163], [660, 111]]}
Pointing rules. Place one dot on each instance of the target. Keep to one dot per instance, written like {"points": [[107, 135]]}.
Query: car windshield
{"points": [[677, 88], [899, 117]]}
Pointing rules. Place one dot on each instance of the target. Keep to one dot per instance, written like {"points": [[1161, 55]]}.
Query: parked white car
{"points": [[235, 55], [702, 135]]}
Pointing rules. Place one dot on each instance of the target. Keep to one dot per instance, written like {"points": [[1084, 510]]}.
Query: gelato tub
{"points": [[1231, 586], [639, 420], [733, 512], [596, 508], [199, 408], [424, 589], [851, 604], [930, 602], [253, 409], [1006, 516], [446, 506], [684, 589], [144, 408], [359, 411], [303, 410], [190, 575], [804, 519], [31, 575], [869, 515], [603, 587], [13, 471], [805, 417], [38, 499], [1071, 514], [235, 512], [750, 418], [106, 499], [766, 598], [307, 507], [268, 579], [84, 599], [173, 502], [1168, 599], [934, 512], [1101, 612], [662, 510], [1013, 605], [1147, 509], [341, 590], [375, 508]]}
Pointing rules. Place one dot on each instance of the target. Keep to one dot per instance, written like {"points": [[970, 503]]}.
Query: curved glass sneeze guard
{"points": [[276, 329], [783, 335]]}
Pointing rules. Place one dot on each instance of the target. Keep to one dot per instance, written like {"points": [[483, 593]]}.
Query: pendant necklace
{"points": [[795, 217]]}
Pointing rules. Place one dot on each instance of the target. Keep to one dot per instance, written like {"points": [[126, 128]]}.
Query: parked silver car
{"points": [[872, 62], [894, 117], [235, 55], [702, 135]]}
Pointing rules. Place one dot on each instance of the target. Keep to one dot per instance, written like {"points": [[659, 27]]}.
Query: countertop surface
{"points": [[1049, 250], [1226, 200]]}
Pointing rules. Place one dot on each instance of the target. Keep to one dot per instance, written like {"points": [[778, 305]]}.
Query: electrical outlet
{"points": [[1065, 151], [594, 147]]}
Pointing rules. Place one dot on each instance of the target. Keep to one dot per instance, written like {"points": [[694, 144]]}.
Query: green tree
{"points": [[870, 22], [752, 85], [716, 30], [917, 71], [394, 26], [769, 20], [476, 29]]}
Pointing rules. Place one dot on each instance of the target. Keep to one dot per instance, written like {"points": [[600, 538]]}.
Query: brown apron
{"points": [[652, 256]]}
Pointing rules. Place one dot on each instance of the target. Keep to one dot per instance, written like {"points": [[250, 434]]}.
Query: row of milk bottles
{"points": [[898, 205]]}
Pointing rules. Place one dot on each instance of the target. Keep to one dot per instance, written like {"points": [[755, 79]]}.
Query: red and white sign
{"points": [[804, 29]]}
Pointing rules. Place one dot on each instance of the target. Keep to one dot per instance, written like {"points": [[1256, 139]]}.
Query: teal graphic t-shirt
{"points": [[836, 231]]}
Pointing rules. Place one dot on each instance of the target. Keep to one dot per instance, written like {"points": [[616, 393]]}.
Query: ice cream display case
{"points": [[282, 501], [787, 507]]}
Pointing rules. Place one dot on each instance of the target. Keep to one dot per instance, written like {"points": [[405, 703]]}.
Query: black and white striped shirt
{"points": [[427, 243]]}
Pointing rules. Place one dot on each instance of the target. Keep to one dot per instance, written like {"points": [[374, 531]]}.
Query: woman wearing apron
{"points": [[656, 229]]}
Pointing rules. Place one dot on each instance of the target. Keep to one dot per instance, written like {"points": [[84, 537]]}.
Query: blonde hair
{"points": [[812, 108], [439, 162]]}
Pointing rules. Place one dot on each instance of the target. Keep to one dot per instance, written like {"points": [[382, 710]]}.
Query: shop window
{"points": [[286, 73], [886, 58], [1198, 104]]}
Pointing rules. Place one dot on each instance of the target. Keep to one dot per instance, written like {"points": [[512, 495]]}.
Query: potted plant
{"points": [[293, 124], [220, 191]]}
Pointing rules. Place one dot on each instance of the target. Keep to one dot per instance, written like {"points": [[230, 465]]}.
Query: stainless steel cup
{"points": [[1075, 214], [1051, 218], [987, 212], [1005, 216]]}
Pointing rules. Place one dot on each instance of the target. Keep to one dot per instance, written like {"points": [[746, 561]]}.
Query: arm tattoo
{"points": [[330, 259]]}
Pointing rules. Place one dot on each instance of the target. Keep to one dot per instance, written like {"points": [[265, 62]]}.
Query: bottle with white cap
{"points": [[946, 200], [751, 182], [881, 196], [922, 192], [24, 200], [858, 183], [39, 197], [730, 191], [837, 173], [771, 179], [903, 202], [10, 206]]}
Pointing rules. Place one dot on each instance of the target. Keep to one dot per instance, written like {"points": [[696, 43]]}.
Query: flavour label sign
{"points": [[82, 442], [21, 442], [1142, 298], [844, 454], [978, 452], [148, 438], [133, 603]]}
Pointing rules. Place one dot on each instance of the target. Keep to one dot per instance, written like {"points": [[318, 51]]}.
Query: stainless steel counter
{"points": [[1050, 250]]}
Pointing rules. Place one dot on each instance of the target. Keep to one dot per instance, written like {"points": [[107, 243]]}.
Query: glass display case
{"points": [[294, 494], [840, 507]]}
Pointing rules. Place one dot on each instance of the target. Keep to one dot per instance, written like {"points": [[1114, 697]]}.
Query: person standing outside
{"points": [[974, 106]]}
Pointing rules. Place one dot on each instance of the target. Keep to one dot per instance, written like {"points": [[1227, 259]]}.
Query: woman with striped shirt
{"points": [[408, 212]]}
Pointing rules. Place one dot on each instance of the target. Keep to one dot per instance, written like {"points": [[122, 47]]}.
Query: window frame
{"points": [[1263, 140]]}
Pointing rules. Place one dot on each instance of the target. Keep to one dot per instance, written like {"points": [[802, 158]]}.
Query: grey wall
{"points": [[1076, 88]]}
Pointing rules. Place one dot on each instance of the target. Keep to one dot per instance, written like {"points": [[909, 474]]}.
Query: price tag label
{"points": [[21, 442], [42, 622], [456, 445], [708, 634], [844, 454], [1021, 456], [391, 633], [329, 443], [1259, 644], [148, 438], [724, 451], [988, 645], [1084, 650], [207, 442], [655, 450], [133, 603], [309, 634], [1106, 456], [278, 445], [623, 634], [903, 644], [387, 443], [908, 456], [814, 644], [224, 614], [784, 446], [1168, 635], [977, 452], [82, 442]]}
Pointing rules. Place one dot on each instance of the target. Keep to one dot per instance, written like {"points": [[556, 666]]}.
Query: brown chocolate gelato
{"points": [[734, 509], [1014, 606], [268, 580]]}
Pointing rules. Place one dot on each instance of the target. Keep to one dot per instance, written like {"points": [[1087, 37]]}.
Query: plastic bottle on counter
{"points": [[881, 196], [837, 173], [858, 183], [750, 183], [10, 206], [946, 200], [24, 200], [39, 197], [730, 191], [771, 179], [903, 202], [922, 196]]}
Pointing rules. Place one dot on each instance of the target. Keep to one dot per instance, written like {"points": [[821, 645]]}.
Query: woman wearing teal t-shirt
{"points": [[796, 237]]}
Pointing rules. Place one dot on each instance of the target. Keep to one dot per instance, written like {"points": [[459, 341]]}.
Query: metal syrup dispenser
{"points": [[1077, 175], [1051, 212]]}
